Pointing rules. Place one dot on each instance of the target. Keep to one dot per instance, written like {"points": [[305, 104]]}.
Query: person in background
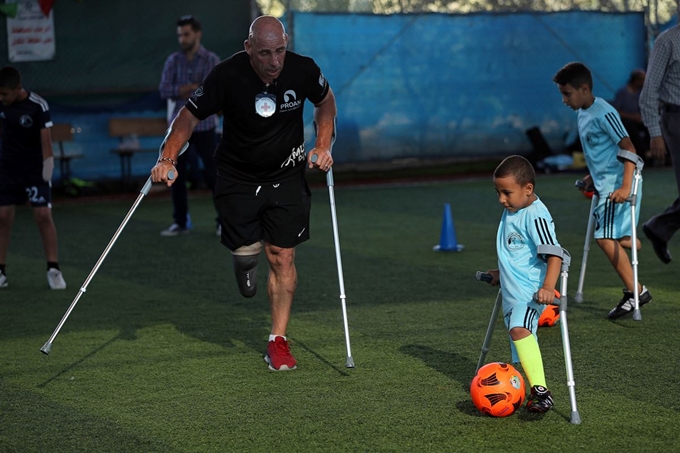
{"points": [[627, 103], [661, 93], [183, 73], [26, 167]]}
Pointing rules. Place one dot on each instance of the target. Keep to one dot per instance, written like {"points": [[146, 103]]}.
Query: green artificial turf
{"points": [[161, 354]]}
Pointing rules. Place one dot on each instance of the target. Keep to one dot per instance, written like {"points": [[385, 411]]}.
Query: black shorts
{"points": [[277, 214], [19, 185]]}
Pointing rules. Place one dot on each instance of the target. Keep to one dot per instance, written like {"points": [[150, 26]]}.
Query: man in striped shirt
{"points": [[26, 166], [602, 136], [183, 73], [661, 93]]}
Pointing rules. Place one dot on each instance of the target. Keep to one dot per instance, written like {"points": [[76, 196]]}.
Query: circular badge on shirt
{"points": [[265, 105]]}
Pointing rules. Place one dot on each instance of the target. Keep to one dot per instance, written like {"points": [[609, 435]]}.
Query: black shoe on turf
{"points": [[627, 303], [659, 245], [540, 399]]}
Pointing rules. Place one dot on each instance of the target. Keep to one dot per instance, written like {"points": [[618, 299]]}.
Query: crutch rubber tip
{"points": [[349, 363], [47, 347], [575, 418]]}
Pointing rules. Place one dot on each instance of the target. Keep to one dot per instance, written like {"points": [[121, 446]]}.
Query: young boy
{"points": [[602, 135], [527, 280], [26, 166]]}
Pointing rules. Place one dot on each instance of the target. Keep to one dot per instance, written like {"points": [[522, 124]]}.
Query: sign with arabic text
{"points": [[30, 35]]}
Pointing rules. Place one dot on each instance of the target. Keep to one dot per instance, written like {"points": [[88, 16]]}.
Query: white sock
{"points": [[272, 337]]}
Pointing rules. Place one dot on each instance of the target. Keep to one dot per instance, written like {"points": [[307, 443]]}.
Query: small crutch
{"points": [[336, 239], [485, 277], [47, 347], [564, 329], [625, 155], [586, 246]]}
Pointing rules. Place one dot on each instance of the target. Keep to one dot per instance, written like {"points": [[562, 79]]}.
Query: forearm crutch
{"points": [[564, 329], [625, 155], [586, 246], [47, 347], [483, 276], [336, 239]]}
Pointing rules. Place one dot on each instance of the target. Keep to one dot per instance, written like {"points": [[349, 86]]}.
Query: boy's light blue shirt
{"points": [[522, 271], [601, 130]]}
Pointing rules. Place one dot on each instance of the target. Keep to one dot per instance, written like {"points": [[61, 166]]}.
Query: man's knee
{"points": [[245, 268]]}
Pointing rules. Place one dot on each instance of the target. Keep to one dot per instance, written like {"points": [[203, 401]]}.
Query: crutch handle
{"points": [[484, 277], [554, 302]]}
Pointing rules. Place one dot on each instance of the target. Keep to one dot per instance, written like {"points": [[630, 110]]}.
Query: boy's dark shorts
{"points": [[275, 213], [19, 185]]}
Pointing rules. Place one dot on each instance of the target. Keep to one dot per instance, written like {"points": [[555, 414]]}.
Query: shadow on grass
{"points": [[319, 356], [79, 361], [451, 364]]}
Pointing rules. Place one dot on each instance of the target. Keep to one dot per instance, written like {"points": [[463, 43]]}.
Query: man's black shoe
{"points": [[660, 246]]}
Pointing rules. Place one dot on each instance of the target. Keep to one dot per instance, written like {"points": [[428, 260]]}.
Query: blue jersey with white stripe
{"points": [[522, 270], [601, 130]]}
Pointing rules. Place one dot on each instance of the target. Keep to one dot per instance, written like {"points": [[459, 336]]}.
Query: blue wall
{"points": [[461, 85]]}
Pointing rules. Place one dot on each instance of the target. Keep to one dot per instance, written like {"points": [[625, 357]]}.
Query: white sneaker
{"points": [[55, 279], [3, 280], [174, 230]]}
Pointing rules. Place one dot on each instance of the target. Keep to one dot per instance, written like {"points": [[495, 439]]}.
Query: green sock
{"points": [[531, 360]]}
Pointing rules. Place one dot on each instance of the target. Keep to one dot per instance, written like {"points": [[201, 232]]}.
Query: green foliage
{"points": [[161, 354], [660, 11]]}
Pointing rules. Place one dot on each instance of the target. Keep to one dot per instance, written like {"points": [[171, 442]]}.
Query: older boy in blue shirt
{"points": [[602, 136]]}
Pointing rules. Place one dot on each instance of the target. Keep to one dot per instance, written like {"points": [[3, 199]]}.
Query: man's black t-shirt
{"points": [[256, 148], [21, 123]]}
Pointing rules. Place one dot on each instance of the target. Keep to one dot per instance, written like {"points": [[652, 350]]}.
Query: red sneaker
{"points": [[278, 356]]}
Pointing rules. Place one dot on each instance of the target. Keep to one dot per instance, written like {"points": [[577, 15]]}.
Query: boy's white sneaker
{"points": [[55, 279], [3, 280]]}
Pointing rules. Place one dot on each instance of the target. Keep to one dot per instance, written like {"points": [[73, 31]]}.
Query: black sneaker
{"points": [[540, 399], [627, 303]]}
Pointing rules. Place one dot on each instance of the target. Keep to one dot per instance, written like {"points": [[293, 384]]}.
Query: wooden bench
{"points": [[128, 131], [63, 132]]}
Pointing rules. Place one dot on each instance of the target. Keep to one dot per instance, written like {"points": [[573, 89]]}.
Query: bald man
{"points": [[261, 193]]}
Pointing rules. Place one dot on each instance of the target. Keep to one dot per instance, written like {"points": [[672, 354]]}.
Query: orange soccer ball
{"points": [[497, 389], [550, 316]]}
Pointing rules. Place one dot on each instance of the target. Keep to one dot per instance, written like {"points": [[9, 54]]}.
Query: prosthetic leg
{"points": [[625, 155], [564, 329], [245, 268]]}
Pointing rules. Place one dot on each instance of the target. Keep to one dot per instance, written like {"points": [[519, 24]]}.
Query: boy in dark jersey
{"points": [[261, 193], [26, 166]]}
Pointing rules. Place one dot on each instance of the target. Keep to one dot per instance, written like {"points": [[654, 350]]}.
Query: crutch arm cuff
{"points": [[554, 250], [625, 155]]}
